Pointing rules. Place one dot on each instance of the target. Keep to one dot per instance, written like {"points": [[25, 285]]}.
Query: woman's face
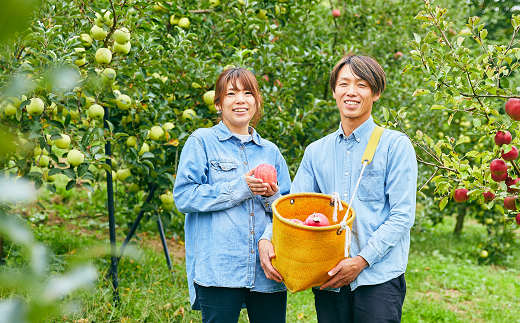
{"points": [[238, 108]]}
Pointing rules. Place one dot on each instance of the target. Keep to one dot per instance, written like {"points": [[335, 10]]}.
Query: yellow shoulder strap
{"points": [[372, 145]]}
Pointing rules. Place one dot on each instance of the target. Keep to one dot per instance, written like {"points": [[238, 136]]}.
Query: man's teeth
{"points": [[351, 102]]}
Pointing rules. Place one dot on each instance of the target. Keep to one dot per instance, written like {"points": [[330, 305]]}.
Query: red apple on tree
{"points": [[498, 167], [518, 218], [510, 182], [336, 13], [266, 172], [510, 155], [317, 220], [499, 178], [513, 108], [398, 55], [503, 138], [461, 195], [510, 202], [488, 196]]}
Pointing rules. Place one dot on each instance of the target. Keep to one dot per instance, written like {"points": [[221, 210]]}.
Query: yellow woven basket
{"points": [[305, 254]]}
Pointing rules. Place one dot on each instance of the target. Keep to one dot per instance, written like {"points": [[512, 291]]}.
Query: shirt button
{"points": [[251, 213], [245, 163], [358, 140], [345, 194], [252, 251], [242, 148], [252, 232], [346, 173], [348, 152]]}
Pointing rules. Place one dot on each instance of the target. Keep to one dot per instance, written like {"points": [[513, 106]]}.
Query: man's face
{"points": [[354, 97]]}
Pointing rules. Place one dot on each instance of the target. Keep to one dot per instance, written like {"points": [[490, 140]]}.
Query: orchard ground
{"points": [[444, 281]]}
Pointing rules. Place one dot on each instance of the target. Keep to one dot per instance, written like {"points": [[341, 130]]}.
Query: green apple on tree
{"points": [[98, 33], [167, 198], [167, 207], [86, 40], [98, 21], [262, 14], [131, 141], [134, 188], [184, 22], [168, 125], [47, 178], [123, 174], [75, 157], [144, 148], [156, 133], [214, 3], [174, 20], [38, 151], [43, 160], [209, 97], [62, 143], [103, 56], [122, 49], [108, 75], [9, 110], [121, 36], [188, 114], [123, 102], [16, 102], [96, 112], [36, 107]]}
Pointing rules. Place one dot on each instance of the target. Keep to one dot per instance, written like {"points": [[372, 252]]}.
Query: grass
{"points": [[445, 283]]}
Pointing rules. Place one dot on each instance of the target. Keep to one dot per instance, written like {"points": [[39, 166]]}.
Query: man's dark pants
{"points": [[366, 304]]}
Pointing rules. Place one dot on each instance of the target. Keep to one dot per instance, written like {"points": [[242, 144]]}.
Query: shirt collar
{"points": [[359, 133], [223, 133]]}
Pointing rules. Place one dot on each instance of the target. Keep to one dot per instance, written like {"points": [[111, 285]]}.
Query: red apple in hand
{"points": [[336, 13], [510, 155], [266, 172], [503, 138], [510, 203], [498, 167], [297, 221], [461, 195], [317, 220], [488, 196], [513, 108]]}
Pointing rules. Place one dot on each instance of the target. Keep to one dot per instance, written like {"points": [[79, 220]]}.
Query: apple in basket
{"points": [[297, 221], [317, 220], [266, 172]]}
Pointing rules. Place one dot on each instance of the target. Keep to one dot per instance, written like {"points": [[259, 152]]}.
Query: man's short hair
{"points": [[363, 66]]}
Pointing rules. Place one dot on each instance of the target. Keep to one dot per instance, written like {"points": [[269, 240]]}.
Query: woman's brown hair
{"points": [[247, 80]]}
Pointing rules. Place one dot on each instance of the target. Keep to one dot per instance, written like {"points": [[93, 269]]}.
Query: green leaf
{"points": [[420, 92], [70, 173], [443, 202], [483, 33], [89, 187], [417, 38], [82, 169], [386, 114], [465, 32], [70, 185], [54, 171], [437, 107]]}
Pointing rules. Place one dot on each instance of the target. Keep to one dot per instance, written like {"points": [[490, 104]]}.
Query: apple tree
{"points": [[471, 78]]}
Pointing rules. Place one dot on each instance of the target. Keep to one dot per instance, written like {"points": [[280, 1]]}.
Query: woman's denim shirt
{"points": [[224, 219], [384, 201]]}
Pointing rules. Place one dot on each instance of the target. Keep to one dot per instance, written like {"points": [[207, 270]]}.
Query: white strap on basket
{"points": [[337, 206], [344, 226]]}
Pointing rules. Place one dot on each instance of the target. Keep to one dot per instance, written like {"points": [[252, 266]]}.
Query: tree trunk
{"points": [[460, 222]]}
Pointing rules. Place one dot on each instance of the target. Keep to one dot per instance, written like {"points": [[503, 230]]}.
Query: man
{"points": [[371, 282]]}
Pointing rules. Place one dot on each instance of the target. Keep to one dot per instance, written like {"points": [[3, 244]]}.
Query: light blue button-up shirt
{"points": [[384, 202], [224, 219]]}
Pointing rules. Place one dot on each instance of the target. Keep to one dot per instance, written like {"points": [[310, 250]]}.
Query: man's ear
{"points": [[376, 97]]}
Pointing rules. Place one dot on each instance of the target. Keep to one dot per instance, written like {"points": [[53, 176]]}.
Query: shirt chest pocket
{"points": [[371, 186], [223, 170]]}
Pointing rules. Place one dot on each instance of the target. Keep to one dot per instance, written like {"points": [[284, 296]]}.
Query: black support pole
{"points": [[111, 217], [163, 240], [136, 222]]}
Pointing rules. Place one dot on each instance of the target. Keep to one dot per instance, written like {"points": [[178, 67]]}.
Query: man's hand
{"points": [[258, 187], [266, 252], [345, 272]]}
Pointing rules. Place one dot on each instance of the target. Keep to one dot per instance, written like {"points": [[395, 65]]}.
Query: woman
{"points": [[227, 209]]}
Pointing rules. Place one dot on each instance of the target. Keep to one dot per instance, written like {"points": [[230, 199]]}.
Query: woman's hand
{"points": [[258, 187]]}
